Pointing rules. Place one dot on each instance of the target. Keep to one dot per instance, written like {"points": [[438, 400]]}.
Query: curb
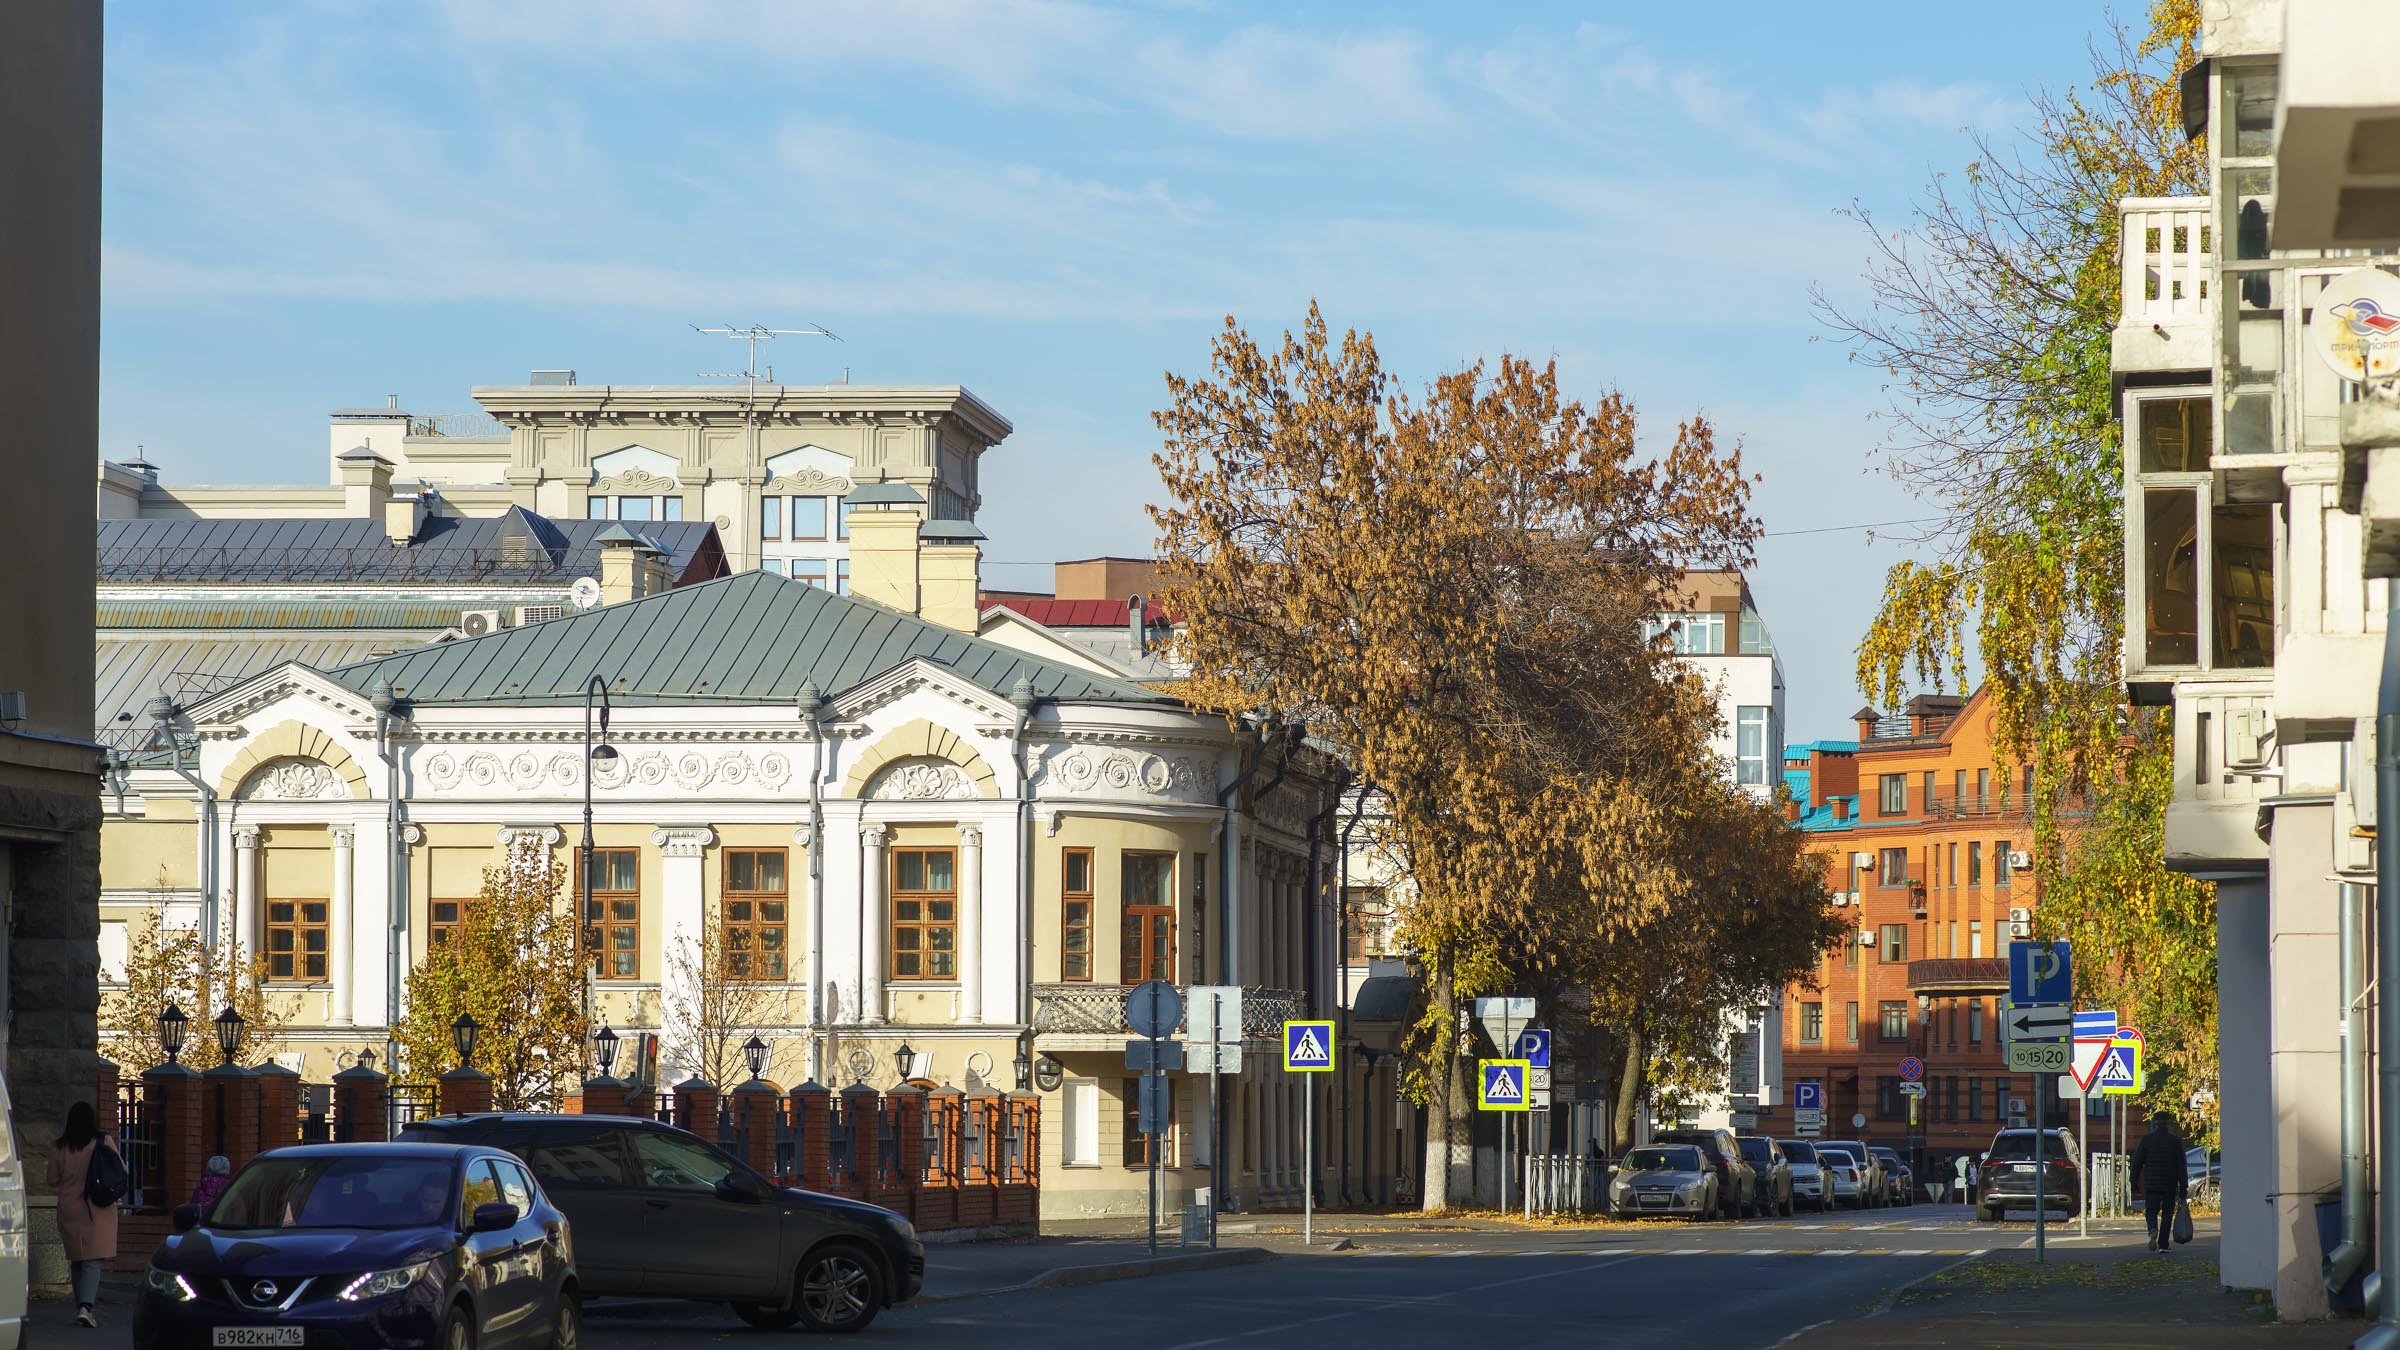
{"points": [[1069, 1277]]}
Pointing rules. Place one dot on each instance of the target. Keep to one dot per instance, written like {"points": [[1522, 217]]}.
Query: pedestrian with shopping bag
{"points": [[2158, 1168]]}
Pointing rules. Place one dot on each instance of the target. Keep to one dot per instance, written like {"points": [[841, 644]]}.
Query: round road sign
{"points": [[1858, 1122], [1153, 1008], [1911, 1069]]}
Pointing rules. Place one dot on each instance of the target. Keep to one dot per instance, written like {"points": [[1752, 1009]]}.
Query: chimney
{"points": [[404, 512], [1791, 809], [949, 572], [883, 545], [1866, 719], [627, 569], [1134, 625], [366, 479], [1841, 810]]}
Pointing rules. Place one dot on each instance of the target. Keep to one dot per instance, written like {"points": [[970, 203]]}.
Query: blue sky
{"points": [[310, 206]]}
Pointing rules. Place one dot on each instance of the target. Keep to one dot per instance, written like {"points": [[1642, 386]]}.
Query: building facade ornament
{"points": [[246, 836], [637, 482], [1095, 771], [287, 780], [806, 483], [690, 770], [970, 836], [343, 836], [411, 835], [872, 835], [684, 841], [549, 836], [921, 780]]}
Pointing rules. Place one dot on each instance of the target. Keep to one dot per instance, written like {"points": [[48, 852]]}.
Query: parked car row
{"points": [[1713, 1174], [486, 1232]]}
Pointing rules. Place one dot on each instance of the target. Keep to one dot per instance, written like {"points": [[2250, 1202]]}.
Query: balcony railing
{"points": [[2167, 252], [1959, 972], [1099, 1009]]}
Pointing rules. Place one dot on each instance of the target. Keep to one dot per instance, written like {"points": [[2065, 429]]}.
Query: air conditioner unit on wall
{"points": [[1866, 937], [1863, 859], [539, 613], [2019, 860], [1839, 898], [477, 622]]}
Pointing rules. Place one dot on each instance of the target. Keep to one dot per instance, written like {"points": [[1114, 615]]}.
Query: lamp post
{"points": [[604, 1050], [754, 1054], [171, 1026], [902, 1059], [229, 1034], [1023, 1064], [596, 751], [462, 1035]]}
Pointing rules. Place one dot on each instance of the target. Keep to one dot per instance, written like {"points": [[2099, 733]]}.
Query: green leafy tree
{"points": [[514, 962]]}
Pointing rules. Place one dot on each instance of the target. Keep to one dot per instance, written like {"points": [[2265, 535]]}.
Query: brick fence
{"points": [[947, 1158]]}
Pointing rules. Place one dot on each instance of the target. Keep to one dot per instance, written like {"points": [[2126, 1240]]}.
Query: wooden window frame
{"points": [[756, 927], [1884, 1011], [598, 931], [1812, 1023], [925, 927], [1365, 903], [299, 927], [1140, 968], [1069, 926], [438, 930]]}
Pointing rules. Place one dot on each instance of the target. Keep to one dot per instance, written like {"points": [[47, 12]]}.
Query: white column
{"points": [[874, 923], [970, 923], [342, 923], [245, 890], [682, 924]]}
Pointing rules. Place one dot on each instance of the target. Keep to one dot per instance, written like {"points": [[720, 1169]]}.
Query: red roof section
{"points": [[1054, 613]]}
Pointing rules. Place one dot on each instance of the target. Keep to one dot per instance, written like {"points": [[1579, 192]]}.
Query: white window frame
{"points": [[1751, 766], [1079, 1136]]}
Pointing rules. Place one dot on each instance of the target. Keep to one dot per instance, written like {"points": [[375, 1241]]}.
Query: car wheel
{"points": [[566, 1323], [458, 1329], [766, 1316], [839, 1289]]}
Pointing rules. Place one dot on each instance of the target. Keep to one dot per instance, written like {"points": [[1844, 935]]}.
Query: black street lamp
{"points": [[604, 1050], [171, 1025], [596, 751], [754, 1053], [229, 1033], [462, 1035], [1023, 1064], [902, 1058]]}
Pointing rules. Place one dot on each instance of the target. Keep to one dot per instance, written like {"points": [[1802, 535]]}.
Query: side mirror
{"points": [[186, 1218], [742, 1187], [495, 1216]]}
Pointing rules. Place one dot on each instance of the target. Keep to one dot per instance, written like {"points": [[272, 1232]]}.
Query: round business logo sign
{"points": [[2355, 329]]}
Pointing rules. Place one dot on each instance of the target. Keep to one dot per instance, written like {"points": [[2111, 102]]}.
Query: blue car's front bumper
{"points": [[404, 1321]]}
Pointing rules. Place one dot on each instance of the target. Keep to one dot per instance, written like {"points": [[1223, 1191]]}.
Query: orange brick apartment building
{"points": [[1916, 826]]}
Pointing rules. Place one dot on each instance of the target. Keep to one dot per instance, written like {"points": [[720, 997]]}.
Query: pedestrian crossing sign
{"points": [[1503, 1084], [1308, 1047], [2121, 1069]]}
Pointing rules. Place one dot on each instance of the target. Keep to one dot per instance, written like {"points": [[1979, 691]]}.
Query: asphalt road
{"points": [[1746, 1286]]}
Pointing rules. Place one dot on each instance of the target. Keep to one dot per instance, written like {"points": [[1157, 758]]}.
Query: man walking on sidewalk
{"points": [[2158, 1168]]}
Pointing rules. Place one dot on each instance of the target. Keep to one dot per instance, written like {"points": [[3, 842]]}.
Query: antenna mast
{"points": [[753, 334]]}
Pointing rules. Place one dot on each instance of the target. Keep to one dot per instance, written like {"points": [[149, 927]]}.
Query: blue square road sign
{"points": [[2041, 972], [1533, 1046]]}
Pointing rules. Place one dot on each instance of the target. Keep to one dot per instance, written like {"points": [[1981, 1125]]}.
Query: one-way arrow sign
{"points": [[2039, 1022]]}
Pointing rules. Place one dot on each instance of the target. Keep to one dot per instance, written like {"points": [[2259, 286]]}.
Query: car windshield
{"points": [[1849, 1153], [343, 1191], [2016, 1145], [1681, 1159], [1799, 1151], [1759, 1151]]}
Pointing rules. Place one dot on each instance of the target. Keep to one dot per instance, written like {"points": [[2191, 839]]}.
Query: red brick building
{"points": [[1923, 837]]}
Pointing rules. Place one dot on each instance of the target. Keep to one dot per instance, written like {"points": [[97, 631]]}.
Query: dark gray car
{"points": [[1766, 1158], [1737, 1181], [662, 1213], [2009, 1179]]}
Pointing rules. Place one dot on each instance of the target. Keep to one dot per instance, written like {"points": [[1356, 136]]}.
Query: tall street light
{"points": [[596, 751]]}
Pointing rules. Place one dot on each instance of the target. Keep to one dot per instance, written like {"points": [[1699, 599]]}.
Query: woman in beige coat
{"points": [[90, 1230]]}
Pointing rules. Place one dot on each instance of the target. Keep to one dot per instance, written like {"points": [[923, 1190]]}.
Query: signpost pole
{"points": [[1216, 1152], [1308, 1162], [1155, 1139], [2083, 1134], [2041, 1175]]}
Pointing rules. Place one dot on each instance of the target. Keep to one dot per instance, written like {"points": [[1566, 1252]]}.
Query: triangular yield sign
{"points": [[2086, 1064]]}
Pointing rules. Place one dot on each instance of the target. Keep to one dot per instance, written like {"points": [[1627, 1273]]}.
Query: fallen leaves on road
{"points": [[2016, 1276]]}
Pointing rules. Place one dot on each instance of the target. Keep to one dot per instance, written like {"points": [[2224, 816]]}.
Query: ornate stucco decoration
{"points": [[807, 483], [286, 780], [684, 841], [921, 780], [1091, 771], [634, 480], [525, 771]]}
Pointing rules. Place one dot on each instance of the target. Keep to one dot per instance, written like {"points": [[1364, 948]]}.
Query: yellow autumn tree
{"points": [[179, 967], [514, 963], [1454, 588]]}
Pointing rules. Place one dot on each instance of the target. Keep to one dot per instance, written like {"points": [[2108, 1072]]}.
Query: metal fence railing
{"points": [[1566, 1183], [138, 1142], [412, 1102], [2109, 1194]]}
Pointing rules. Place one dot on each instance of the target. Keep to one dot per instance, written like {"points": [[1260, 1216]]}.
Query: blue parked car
{"points": [[441, 1246]]}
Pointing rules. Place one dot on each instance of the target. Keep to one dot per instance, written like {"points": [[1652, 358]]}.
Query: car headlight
{"points": [[377, 1283], [1692, 1191], [170, 1284]]}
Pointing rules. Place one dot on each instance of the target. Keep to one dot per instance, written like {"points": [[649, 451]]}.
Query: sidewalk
{"points": [[2108, 1294], [977, 1269]]}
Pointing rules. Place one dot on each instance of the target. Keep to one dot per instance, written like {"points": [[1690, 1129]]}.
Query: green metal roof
{"points": [[753, 638]]}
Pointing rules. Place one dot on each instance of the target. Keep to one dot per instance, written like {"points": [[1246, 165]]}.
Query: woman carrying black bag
{"points": [[88, 1227]]}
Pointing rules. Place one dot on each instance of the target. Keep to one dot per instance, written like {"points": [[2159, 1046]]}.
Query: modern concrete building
{"points": [[49, 766], [771, 466], [2249, 606]]}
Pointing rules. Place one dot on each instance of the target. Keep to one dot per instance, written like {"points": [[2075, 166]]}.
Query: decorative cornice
{"points": [[638, 481], [343, 836], [550, 836], [807, 482], [684, 841], [245, 836], [691, 770], [970, 836], [1122, 774], [872, 835]]}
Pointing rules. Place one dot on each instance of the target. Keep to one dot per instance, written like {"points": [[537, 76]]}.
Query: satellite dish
{"points": [[585, 592]]}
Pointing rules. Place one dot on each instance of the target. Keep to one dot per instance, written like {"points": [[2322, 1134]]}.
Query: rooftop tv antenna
{"points": [[753, 334]]}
